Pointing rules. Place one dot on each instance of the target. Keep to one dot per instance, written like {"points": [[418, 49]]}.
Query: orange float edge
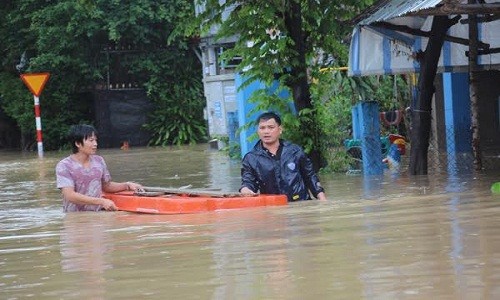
{"points": [[177, 204]]}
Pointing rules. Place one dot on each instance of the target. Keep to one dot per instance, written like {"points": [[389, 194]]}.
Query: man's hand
{"points": [[108, 204], [246, 191], [132, 186], [321, 196]]}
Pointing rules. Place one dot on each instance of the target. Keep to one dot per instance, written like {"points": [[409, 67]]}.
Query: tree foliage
{"points": [[336, 93], [178, 117], [66, 39], [288, 42]]}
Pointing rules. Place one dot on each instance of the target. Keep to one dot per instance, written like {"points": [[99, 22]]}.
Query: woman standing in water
{"points": [[83, 176]]}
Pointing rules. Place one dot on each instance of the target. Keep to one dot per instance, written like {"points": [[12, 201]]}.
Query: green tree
{"points": [[287, 41], [178, 95], [66, 39]]}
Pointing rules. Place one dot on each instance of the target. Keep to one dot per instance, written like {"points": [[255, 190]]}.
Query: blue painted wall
{"points": [[457, 112], [367, 116], [245, 108]]}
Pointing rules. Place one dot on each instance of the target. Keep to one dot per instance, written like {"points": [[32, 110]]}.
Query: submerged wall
{"points": [[489, 111], [120, 115], [10, 135]]}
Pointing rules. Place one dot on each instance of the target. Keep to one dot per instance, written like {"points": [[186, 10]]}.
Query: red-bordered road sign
{"points": [[35, 82]]}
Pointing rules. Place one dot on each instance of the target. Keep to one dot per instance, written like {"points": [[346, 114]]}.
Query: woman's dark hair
{"points": [[78, 133], [268, 116]]}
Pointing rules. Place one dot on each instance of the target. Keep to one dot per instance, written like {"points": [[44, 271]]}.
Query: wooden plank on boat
{"points": [[190, 192]]}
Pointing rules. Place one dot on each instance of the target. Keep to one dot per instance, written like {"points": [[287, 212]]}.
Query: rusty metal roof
{"points": [[386, 10]]}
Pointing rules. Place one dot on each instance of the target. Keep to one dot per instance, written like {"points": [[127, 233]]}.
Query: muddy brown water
{"points": [[389, 237]]}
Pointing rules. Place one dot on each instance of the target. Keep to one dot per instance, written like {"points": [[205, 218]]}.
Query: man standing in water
{"points": [[83, 176], [276, 166]]}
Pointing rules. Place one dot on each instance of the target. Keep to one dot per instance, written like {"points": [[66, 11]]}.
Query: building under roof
{"points": [[388, 34]]}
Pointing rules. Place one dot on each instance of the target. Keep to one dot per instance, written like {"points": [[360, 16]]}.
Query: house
{"points": [[387, 39]]}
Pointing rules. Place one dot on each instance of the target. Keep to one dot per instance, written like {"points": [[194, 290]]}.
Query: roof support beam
{"points": [[418, 32], [460, 9]]}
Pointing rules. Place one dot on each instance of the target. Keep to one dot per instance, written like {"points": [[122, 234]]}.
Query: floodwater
{"points": [[375, 238]]}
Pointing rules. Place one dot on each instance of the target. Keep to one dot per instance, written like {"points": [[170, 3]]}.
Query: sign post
{"points": [[35, 83]]}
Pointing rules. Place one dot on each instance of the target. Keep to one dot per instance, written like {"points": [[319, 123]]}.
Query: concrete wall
{"points": [[220, 94]]}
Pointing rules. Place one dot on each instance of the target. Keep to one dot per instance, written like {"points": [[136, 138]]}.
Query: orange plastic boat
{"points": [[187, 203]]}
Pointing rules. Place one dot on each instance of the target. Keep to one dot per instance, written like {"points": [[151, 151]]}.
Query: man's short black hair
{"points": [[79, 133], [268, 116]]}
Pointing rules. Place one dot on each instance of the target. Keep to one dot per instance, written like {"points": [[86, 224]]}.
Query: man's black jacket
{"points": [[292, 174]]}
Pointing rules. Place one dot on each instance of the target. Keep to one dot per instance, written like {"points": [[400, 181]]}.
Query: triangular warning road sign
{"points": [[35, 82]]}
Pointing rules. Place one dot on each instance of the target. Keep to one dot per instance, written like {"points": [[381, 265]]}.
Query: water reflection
{"points": [[85, 246], [381, 237], [247, 246]]}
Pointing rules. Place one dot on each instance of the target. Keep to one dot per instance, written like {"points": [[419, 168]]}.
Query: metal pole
{"points": [[38, 122]]}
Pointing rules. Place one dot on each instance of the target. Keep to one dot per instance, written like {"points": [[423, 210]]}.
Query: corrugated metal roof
{"points": [[397, 8]]}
